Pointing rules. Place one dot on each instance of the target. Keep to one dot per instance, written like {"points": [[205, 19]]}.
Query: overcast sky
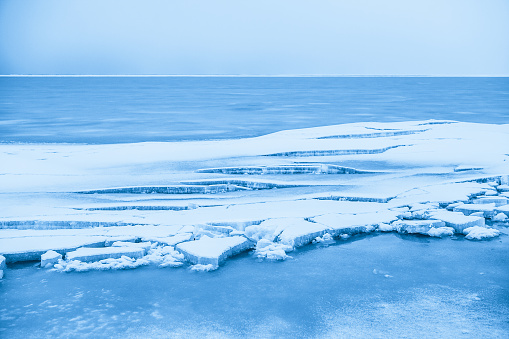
{"points": [[362, 37]]}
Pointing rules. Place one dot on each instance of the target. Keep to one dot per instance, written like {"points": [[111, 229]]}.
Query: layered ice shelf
{"points": [[129, 205]]}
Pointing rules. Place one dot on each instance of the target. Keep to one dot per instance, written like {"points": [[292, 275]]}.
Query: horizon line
{"points": [[260, 75]]}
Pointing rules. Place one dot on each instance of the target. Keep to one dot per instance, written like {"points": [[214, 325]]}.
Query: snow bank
{"points": [[480, 233], [213, 250]]}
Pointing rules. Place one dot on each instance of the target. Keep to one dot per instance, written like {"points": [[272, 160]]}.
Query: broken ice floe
{"points": [[213, 250], [448, 178]]}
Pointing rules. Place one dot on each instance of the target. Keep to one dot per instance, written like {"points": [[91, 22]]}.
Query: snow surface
{"points": [[213, 199]]}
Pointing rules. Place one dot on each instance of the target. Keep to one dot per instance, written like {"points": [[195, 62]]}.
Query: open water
{"points": [[137, 109]]}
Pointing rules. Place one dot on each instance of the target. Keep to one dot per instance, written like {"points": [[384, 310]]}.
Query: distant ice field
{"points": [[98, 110]]}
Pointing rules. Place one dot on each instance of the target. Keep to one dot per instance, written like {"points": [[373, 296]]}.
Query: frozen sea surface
{"points": [[135, 109], [382, 286]]}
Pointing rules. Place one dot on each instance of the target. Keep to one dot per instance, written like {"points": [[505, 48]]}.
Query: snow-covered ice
{"points": [[212, 199]]}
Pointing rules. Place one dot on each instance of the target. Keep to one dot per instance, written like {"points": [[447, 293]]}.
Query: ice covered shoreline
{"points": [[201, 202]]}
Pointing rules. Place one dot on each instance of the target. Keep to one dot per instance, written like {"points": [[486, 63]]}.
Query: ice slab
{"points": [[3, 263], [31, 248], [417, 226], [213, 251], [480, 233], [286, 169], [143, 245], [488, 210], [96, 254], [50, 258], [355, 223], [498, 201], [457, 220]]}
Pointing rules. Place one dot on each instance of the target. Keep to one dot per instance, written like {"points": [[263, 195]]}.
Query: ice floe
{"points": [[166, 204]]}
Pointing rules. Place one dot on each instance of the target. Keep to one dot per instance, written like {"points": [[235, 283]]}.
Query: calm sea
{"points": [[135, 109]]}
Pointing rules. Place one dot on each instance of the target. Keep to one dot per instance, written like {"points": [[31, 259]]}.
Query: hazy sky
{"points": [[378, 37]]}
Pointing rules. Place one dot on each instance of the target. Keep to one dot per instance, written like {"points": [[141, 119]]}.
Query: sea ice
{"points": [[488, 210], [96, 254], [480, 233], [457, 220], [50, 258], [213, 251], [3, 263], [417, 226], [498, 201]]}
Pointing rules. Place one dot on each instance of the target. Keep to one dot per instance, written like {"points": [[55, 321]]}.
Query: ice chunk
{"points": [[503, 209], [479, 233], [417, 226], [457, 220], [488, 210], [294, 232], [355, 223], [213, 250], [96, 254], [441, 231], [450, 207], [3, 262], [50, 258], [272, 251], [498, 201], [203, 268], [143, 245], [500, 217]]}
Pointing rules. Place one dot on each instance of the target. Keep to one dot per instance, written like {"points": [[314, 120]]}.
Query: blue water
{"points": [[136, 109], [423, 288]]}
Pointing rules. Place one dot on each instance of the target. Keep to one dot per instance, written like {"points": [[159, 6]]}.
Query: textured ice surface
{"points": [[417, 226]]}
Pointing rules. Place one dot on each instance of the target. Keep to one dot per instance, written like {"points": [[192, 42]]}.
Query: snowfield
{"points": [[94, 207]]}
